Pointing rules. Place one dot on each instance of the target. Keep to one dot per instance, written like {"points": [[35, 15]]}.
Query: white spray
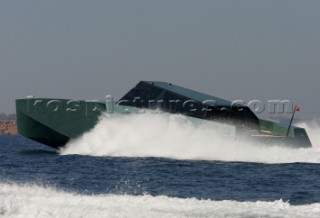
{"points": [[174, 136]]}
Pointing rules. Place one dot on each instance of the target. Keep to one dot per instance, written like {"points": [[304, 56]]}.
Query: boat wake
{"points": [[35, 201], [175, 136]]}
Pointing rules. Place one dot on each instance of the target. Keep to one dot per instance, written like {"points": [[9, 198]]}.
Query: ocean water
{"points": [[158, 166]]}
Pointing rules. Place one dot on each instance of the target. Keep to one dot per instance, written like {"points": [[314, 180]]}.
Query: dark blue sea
{"points": [[37, 181]]}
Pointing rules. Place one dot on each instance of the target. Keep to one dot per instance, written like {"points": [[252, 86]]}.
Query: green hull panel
{"points": [[53, 122]]}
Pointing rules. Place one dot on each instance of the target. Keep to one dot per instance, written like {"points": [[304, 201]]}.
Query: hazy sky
{"points": [[232, 49]]}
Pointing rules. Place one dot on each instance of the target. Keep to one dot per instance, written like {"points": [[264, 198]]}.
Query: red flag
{"points": [[297, 108]]}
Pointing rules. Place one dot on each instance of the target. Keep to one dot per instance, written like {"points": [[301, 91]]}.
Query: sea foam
{"points": [[175, 136], [45, 202]]}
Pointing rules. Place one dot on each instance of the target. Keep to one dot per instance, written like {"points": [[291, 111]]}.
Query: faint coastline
{"points": [[8, 124]]}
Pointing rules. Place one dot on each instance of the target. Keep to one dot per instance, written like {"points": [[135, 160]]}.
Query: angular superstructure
{"points": [[175, 99]]}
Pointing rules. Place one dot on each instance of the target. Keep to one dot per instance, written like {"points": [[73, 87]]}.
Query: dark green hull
{"points": [[54, 122]]}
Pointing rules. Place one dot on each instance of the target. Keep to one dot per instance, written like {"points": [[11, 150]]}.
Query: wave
{"points": [[175, 136], [36, 201]]}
